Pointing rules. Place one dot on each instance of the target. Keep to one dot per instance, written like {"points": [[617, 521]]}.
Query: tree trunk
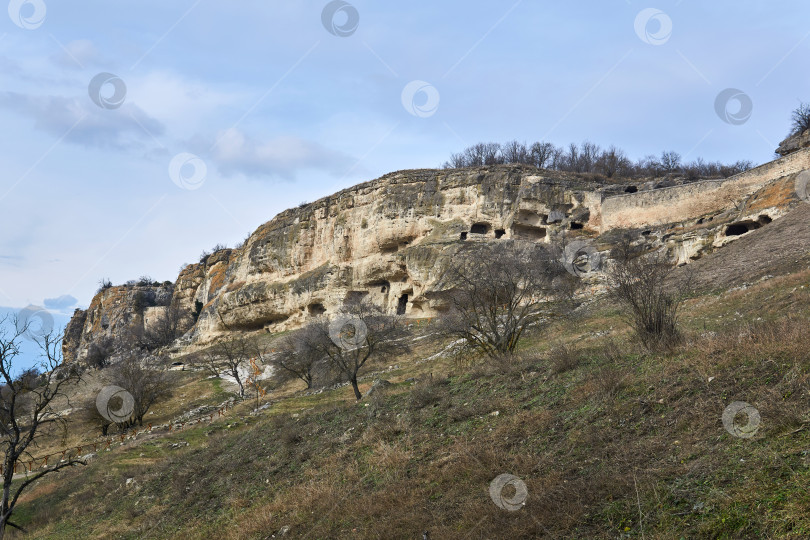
{"points": [[357, 393]]}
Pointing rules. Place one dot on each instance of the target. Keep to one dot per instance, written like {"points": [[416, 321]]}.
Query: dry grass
{"points": [[607, 438]]}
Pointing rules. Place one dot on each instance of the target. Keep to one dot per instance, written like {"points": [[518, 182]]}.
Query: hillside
{"points": [[603, 438], [610, 441]]}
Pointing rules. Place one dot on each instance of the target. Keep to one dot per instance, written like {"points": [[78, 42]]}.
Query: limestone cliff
{"points": [[386, 239]]}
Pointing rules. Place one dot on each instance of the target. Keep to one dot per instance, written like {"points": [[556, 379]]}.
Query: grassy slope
{"points": [[622, 444]]}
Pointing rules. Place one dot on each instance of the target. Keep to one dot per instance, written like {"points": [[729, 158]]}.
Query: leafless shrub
{"points": [[562, 358], [426, 392], [495, 292], [640, 282]]}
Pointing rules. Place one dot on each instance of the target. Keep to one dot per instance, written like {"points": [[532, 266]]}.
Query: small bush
{"points": [[428, 391], [103, 285], [641, 283], [563, 358]]}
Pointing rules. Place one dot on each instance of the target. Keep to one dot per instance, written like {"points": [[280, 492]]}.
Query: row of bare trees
{"points": [[592, 159]]}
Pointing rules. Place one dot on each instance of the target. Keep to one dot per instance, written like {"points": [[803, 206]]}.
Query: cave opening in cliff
{"points": [[402, 305], [528, 233], [384, 285], [463, 235], [316, 309], [479, 228], [738, 229], [631, 189], [764, 219], [576, 225], [499, 233]]}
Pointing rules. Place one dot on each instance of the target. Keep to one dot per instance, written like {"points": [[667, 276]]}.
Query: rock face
{"points": [[113, 314], [794, 143], [386, 240]]}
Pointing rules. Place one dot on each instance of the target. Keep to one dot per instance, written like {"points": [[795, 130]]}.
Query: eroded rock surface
{"points": [[386, 240]]}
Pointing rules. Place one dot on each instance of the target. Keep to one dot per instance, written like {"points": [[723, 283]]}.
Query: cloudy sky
{"points": [[137, 134]]}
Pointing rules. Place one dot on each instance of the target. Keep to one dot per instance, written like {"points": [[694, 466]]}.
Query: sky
{"points": [[135, 135]]}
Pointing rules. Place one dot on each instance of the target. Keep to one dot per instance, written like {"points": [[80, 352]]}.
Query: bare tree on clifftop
{"points": [[26, 413]]}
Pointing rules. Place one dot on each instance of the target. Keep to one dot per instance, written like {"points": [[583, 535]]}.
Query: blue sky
{"points": [[267, 106]]}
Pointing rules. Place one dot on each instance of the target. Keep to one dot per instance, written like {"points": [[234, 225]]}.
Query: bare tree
{"points": [[541, 154], [800, 119], [496, 292], [359, 333], [27, 412], [515, 152], [298, 354], [231, 357], [641, 282], [91, 415], [670, 162], [145, 381], [613, 162]]}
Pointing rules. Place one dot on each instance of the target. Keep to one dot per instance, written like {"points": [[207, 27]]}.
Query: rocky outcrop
{"points": [[386, 240], [794, 143], [114, 315]]}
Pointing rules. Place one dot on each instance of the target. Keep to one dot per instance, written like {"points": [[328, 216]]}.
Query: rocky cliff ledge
{"points": [[386, 239]]}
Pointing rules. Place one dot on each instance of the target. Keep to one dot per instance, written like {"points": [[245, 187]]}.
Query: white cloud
{"points": [[60, 303], [84, 123], [282, 157]]}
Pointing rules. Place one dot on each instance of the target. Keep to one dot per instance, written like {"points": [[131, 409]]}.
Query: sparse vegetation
{"points": [[103, 285], [589, 158], [621, 439]]}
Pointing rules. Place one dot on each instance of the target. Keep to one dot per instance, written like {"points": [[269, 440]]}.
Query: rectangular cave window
{"points": [[575, 225], [479, 228], [463, 235], [499, 233], [402, 305]]}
